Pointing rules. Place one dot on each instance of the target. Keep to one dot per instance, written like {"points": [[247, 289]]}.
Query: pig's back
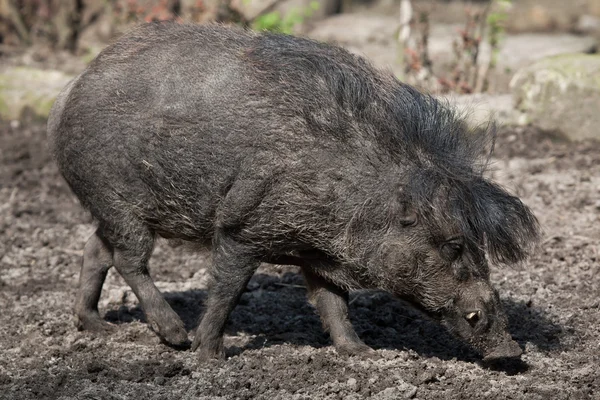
{"points": [[152, 126], [164, 121]]}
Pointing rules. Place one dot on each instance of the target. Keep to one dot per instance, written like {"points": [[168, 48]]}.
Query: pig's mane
{"points": [[446, 156], [422, 134], [348, 98]]}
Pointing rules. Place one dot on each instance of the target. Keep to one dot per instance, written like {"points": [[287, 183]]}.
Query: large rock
{"points": [[520, 50], [29, 88], [561, 94], [479, 110]]}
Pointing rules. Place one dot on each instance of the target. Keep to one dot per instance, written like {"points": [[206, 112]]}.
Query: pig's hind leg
{"points": [[132, 250], [331, 302], [97, 260]]}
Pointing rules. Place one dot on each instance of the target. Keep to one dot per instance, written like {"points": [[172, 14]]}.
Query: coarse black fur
{"points": [[281, 149], [421, 135]]}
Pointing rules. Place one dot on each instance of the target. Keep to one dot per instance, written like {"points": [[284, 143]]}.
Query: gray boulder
{"points": [[26, 87], [561, 94], [480, 109]]}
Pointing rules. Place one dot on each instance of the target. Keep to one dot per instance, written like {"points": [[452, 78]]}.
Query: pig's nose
{"points": [[473, 317]]}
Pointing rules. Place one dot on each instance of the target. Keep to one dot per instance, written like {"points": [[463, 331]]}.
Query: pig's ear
{"points": [[511, 230]]}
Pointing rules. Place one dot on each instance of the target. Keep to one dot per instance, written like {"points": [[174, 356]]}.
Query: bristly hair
{"points": [[433, 144], [508, 226], [448, 157]]}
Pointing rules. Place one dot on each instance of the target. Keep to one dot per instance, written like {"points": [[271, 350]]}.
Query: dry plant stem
{"points": [[424, 43], [482, 78], [483, 70], [404, 34], [15, 18], [413, 51]]}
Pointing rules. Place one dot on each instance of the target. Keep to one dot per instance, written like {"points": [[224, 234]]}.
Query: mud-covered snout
{"points": [[492, 338], [478, 318], [507, 348]]}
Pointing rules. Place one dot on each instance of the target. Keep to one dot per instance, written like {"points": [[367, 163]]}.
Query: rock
{"points": [[588, 24], [402, 390], [480, 109], [561, 94], [353, 385], [29, 88], [520, 50]]}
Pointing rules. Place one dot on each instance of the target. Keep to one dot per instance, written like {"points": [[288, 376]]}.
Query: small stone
{"points": [[95, 366], [352, 384], [402, 390]]}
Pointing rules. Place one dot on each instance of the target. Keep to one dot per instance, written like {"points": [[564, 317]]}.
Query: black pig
{"points": [[283, 150]]}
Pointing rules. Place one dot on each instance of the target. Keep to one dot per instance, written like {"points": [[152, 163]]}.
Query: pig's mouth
{"points": [[493, 344], [493, 348], [508, 348]]}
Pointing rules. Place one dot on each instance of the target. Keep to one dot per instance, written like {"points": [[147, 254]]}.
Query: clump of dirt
{"points": [[275, 345]]}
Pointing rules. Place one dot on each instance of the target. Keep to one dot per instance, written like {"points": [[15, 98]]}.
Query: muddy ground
{"points": [[275, 346]]}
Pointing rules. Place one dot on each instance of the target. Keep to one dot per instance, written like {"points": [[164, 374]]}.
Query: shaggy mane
{"points": [[419, 132]]}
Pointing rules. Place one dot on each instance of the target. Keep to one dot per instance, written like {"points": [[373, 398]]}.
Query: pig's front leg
{"points": [[233, 266], [332, 304]]}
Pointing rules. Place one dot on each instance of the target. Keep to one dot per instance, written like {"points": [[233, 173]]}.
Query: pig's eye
{"points": [[451, 250]]}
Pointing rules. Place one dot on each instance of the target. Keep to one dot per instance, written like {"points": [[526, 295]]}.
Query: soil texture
{"points": [[276, 348]]}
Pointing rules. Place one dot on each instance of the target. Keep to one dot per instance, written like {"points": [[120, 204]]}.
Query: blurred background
{"points": [[491, 48]]}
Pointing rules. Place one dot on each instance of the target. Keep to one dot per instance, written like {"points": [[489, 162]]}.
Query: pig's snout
{"points": [[506, 349]]}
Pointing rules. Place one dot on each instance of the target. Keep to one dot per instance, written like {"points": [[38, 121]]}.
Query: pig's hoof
{"points": [[94, 323], [356, 350], [209, 354], [173, 333], [207, 351]]}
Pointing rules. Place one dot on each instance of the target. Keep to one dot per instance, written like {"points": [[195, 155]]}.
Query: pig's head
{"points": [[436, 257], [444, 221]]}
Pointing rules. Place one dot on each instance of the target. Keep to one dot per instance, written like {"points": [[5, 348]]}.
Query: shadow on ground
{"points": [[274, 310]]}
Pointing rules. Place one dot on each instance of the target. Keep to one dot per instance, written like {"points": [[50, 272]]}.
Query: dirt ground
{"points": [[275, 346]]}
